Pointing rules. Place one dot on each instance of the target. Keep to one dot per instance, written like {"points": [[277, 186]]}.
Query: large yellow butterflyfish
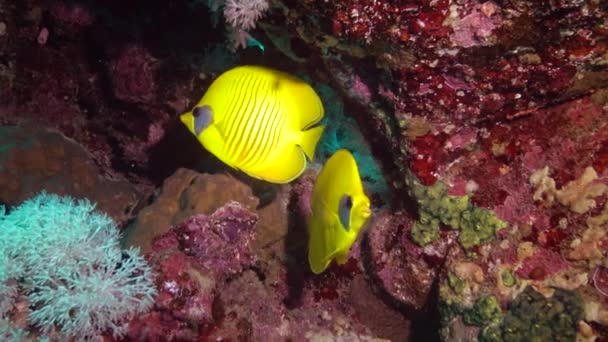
{"points": [[339, 208], [260, 121]]}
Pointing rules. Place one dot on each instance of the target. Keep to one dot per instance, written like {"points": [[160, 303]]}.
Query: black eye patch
{"points": [[203, 117], [344, 208]]}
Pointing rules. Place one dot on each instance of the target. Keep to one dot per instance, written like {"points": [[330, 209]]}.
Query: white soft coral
{"points": [[243, 14]]}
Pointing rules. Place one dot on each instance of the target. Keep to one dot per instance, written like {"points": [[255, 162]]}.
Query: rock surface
{"points": [[32, 160], [186, 193]]}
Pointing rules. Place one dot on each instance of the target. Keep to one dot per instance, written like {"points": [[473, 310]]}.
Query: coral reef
{"points": [[184, 194], [533, 316], [194, 260], [209, 285], [479, 128]]}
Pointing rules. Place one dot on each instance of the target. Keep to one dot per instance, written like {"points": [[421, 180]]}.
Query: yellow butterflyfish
{"points": [[260, 121], [339, 208]]}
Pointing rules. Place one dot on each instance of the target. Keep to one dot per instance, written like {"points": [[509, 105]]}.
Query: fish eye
{"points": [[198, 111], [203, 117], [344, 208]]}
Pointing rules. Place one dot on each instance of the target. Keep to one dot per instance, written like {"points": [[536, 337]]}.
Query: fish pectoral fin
{"points": [[287, 165]]}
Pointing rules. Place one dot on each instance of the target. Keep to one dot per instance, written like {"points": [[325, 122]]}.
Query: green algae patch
{"points": [[508, 278], [485, 311], [532, 317], [436, 207], [456, 284]]}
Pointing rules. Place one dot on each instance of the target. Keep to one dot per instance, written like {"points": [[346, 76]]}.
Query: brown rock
{"points": [[184, 194], [383, 320], [400, 268], [272, 225], [33, 160]]}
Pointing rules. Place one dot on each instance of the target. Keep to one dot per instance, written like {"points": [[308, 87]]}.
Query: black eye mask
{"points": [[344, 208], [203, 117]]}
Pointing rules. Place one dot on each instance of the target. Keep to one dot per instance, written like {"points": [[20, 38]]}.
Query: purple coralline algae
{"points": [[194, 260]]}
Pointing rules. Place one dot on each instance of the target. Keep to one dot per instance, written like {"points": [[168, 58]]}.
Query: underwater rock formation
{"points": [[482, 130], [33, 160], [400, 268], [193, 261], [182, 195], [209, 286]]}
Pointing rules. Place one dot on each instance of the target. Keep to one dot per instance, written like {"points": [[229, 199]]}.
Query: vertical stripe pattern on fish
{"points": [[262, 121]]}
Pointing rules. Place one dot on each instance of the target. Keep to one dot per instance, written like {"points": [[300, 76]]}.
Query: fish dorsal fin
{"points": [[203, 117], [344, 208], [300, 101]]}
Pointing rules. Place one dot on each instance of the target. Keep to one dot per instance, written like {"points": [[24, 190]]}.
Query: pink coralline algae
{"points": [[540, 265], [401, 268], [133, 75], [475, 28], [138, 151], [220, 242], [193, 261], [371, 20]]}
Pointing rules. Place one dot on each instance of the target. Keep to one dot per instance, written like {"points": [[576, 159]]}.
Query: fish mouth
{"points": [[367, 212], [185, 118]]}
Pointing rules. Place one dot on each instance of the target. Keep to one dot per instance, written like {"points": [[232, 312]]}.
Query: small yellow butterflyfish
{"points": [[260, 121], [339, 210]]}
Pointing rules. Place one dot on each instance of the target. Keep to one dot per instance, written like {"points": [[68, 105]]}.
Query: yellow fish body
{"points": [[260, 121], [340, 209]]}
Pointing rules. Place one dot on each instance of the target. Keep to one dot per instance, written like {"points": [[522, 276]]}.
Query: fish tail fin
{"points": [[309, 140]]}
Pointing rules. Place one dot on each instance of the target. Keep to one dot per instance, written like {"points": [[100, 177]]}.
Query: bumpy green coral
{"points": [[532, 317], [426, 230], [477, 225], [485, 311], [447, 312], [508, 278], [456, 284], [451, 293]]}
